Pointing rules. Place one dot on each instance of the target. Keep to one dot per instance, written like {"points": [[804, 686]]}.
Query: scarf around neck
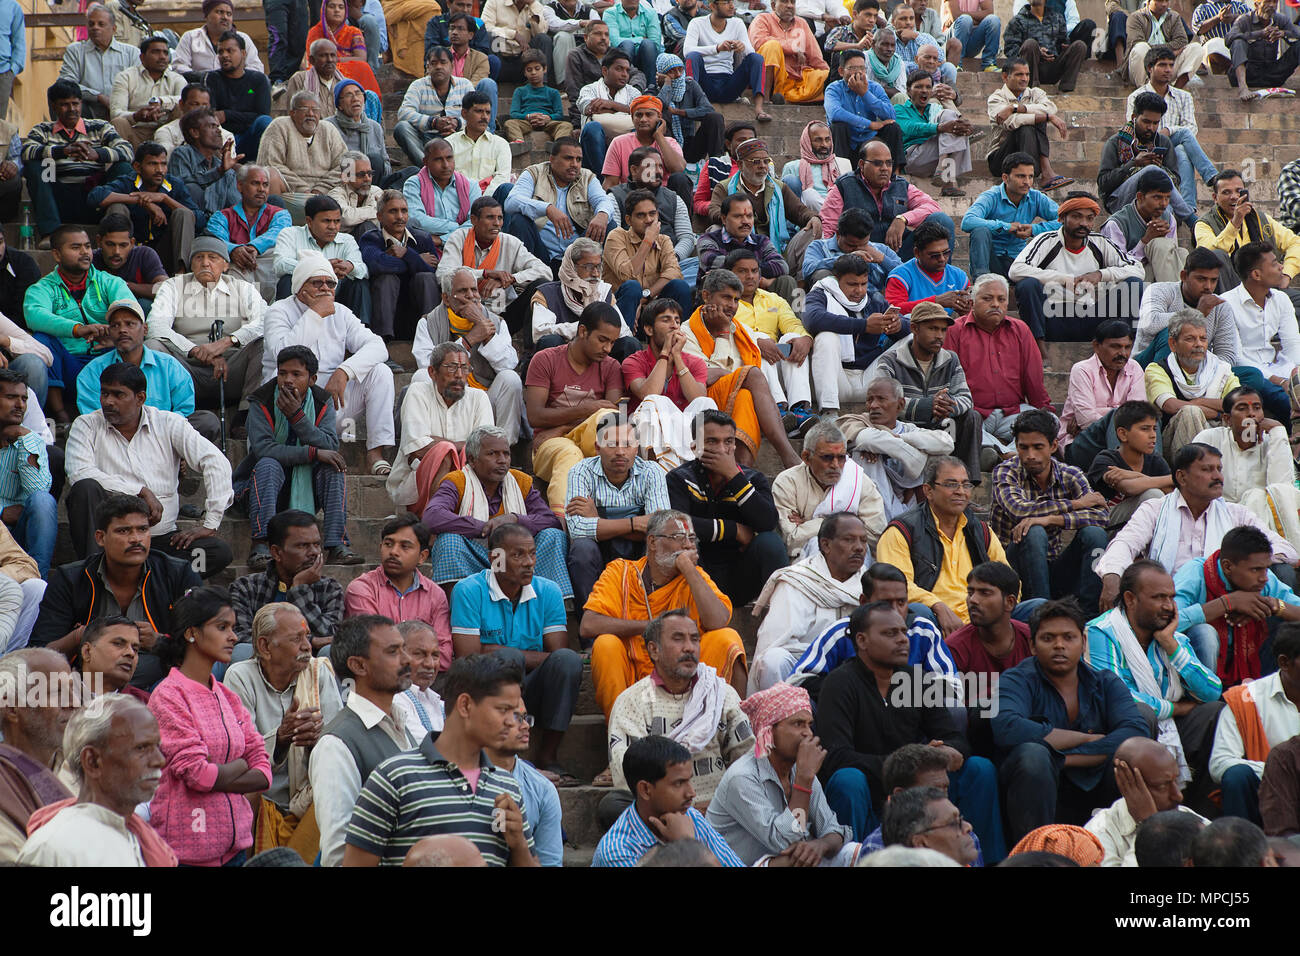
{"points": [[887, 76], [302, 496], [837, 303], [808, 159]]}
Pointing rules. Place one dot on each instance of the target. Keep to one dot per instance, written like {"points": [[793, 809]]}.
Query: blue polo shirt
{"points": [[992, 210], [168, 382], [480, 609]]}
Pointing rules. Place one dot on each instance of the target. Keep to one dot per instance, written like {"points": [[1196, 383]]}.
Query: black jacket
{"points": [[18, 271], [74, 594], [745, 499]]}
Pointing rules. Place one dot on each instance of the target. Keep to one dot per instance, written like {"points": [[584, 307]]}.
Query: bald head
{"points": [[1157, 767], [38, 694], [444, 851]]}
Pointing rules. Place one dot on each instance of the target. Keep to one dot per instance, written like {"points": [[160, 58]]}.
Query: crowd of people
{"points": [[1100, 667]]}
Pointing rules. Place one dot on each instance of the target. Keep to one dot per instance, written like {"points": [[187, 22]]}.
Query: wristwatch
{"points": [[645, 293]]}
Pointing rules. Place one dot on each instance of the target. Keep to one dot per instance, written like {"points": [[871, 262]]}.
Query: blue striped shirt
{"points": [[629, 839], [1104, 653], [644, 492], [24, 469]]}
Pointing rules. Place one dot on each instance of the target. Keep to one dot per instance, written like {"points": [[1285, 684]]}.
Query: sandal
{"points": [[381, 468], [559, 776], [764, 117], [604, 779], [1057, 182]]}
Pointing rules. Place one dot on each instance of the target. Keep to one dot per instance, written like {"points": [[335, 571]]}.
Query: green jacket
{"points": [[48, 306]]}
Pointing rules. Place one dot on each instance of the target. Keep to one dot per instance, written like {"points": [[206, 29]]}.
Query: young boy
{"points": [[293, 457], [536, 107], [1133, 472]]}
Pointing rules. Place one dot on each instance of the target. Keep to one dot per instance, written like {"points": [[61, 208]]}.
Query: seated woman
{"points": [[557, 305], [334, 26]]}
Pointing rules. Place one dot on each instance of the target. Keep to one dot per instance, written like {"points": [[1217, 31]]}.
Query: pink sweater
{"points": [[202, 728]]}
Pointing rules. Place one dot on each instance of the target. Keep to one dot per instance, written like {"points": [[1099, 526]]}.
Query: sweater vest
{"points": [[369, 748], [922, 537], [240, 234], [893, 202], [576, 206]]}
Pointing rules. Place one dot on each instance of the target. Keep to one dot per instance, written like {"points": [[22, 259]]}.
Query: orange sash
{"points": [[489, 263], [1242, 704], [745, 343]]}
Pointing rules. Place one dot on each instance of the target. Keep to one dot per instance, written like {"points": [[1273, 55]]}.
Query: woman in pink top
{"points": [[215, 753]]}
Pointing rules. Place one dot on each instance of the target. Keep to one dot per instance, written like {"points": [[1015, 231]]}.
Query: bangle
{"points": [[801, 789], [1227, 604], [683, 371]]}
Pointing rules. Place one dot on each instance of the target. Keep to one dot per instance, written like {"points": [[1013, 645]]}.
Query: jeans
{"points": [[727, 87], [976, 36], [1069, 573], [1058, 322], [1190, 159], [1205, 643], [643, 54], [250, 140], [412, 140], [38, 527], [984, 258], [369, 25], [594, 143], [628, 296], [37, 375], [1240, 786]]}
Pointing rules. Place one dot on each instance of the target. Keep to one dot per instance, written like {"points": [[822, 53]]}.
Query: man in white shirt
{"points": [[212, 322], [147, 94], [114, 751], [1265, 315], [352, 358], [369, 652], [323, 233], [419, 708], [481, 156], [711, 47], [1259, 715], [606, 108], [804, 599]]}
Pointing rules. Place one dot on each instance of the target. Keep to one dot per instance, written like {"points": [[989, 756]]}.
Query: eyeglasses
{"points": [[363, 173], [321, 283], [880, 163], [525, 720], [678, 538], [959, 823], [462, 367], [955, 485]]}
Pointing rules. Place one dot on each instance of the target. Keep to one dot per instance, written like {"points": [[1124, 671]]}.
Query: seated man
{"points": [[554, 203], [639, 261], [1020, 115], [204, 163], [825, 482], [860, 731], [799, 602], [146, 94], [320, 76], [779, 214], [734, 361], [33, 738], [129, 446], [1194, 290], [117, 254], [1187, 523], [658, 774], [1259, 717], [894, 206], [439, 413], [1040, 36], [293, 574], [475, 62], [516, 26], [1154, 25], [541, 807], [1166, 839], [605, 107], [613, 487], [351, 358], [731, 510], [911, 36], [1133, 472], [463, 317], [322, 234], [1264, 314], [1099, 385], [487, 493], [1129, 153], [568, 389], [668, 699], [291, 696], [1148, 778], [646, 171], [74, 150], [357, 196], [211, 322], [789, 48], [26, 505], [630, 593], [1279, 808], [1058, 725], [1068, 282], [1211, 23], [481, 155], [1258, 471], [293, 458], [992, 643], [307, 154], [1256, 42], [936, 138], [583, 64], [1036, 498], [170, 387], [813, 174], [497, 260], [1139, 640], [1180, 121], [141, 586], [420, 708], [1226, 610], [852, 237], [197, 50], [439, 197], [402, 265], [917, 280], [1001, 220], [1233, 222], [723, 60], [1189, 386], [431, 106], [648, 131], [858, 108], [938, 542], [519, 616], [1004, 369], [634, 28], [240, 93], [250, 228], [848, 336], [762, 824], [1146, 228], [736, 231], [924, 817], [92, 63], [913, 767]]}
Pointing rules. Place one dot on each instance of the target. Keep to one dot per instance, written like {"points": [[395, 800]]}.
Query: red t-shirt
{"points": [[550, 369], [971, 658], [641, 364]]}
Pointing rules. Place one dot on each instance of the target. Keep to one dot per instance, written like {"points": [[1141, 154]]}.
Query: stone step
{"points": [[578, 810]]}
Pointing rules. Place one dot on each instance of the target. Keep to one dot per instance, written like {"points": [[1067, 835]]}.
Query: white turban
{"points": [[310, 265]]}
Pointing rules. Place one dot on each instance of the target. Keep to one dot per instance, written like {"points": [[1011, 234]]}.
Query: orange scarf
{"points": [[1249, 724], [460, 326], [745, 343], [489, 261]]}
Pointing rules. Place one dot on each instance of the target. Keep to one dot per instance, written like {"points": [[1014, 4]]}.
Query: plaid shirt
{"points": [[45, 142], [1181, 113], [1206, 10], [1050, 32], [1288, 196], [1016, 496], [321, 603], [644, 492]]}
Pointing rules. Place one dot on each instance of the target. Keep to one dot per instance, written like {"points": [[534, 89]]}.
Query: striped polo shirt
{"points": [[421, 793]]}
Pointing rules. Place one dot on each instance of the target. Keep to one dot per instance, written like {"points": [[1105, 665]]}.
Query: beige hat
{"points": [[127, 303], [928, 312]]}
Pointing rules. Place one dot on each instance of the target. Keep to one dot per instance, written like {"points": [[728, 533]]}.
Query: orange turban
{"points": [[1075, 843], [648, 102], [1077, 202]]}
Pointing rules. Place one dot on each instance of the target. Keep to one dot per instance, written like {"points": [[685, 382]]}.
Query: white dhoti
{"points": [[663, 431], [371, 394], [946, 154], [507, 396], [789, 383], [1278, 506], [773, 666], [836, 385]]}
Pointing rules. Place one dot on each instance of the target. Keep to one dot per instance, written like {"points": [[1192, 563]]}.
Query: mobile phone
{"points": [[1159, 150], [784, 348]]}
